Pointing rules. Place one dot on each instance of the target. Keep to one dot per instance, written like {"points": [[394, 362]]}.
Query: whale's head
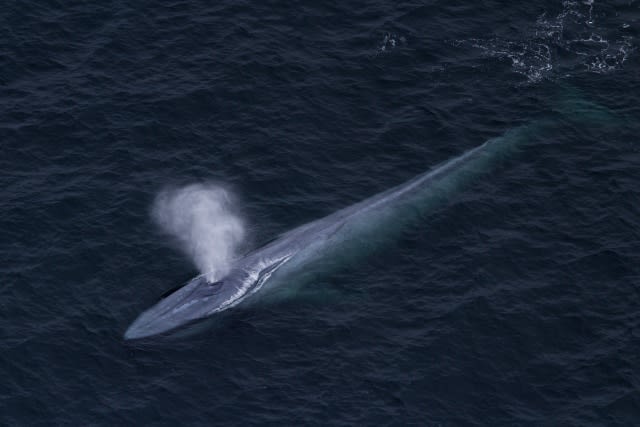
{"points": [[200, 298], [197, 300]]}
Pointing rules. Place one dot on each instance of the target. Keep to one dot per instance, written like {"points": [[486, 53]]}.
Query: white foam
{"points": [[203, 220], [390, 41], [574, 30]]}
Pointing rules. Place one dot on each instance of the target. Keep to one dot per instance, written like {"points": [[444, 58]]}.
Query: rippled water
{"points": [[516, 303]]}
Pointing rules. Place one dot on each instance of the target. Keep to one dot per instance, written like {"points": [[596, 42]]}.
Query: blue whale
{"points": [[338, 236]]}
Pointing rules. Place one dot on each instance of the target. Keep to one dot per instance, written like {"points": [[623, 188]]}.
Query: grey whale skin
{"points": [[338, 234], [354, 229]]}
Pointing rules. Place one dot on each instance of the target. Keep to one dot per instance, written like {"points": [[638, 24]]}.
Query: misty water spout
{"points": [[202, 219]]}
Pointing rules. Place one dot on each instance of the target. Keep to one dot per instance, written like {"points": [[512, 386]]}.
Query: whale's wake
{"points": [[582, 36], [202, 219]]}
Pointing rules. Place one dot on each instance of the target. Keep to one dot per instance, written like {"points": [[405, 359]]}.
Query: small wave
{"points": [[203, 220]]}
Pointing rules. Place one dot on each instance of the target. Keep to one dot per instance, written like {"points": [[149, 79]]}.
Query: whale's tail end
{"points": [[575, 107]]}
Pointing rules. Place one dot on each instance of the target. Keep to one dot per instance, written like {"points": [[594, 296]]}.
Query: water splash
{"points": [[203, 220], [390, 41]]}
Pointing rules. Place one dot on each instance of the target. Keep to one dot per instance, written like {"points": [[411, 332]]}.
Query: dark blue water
{"points": [[516, 303]]}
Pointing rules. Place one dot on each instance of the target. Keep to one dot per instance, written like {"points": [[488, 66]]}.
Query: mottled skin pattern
{"points": [[335, 234]]}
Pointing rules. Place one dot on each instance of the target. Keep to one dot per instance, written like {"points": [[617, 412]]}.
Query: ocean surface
{"points": [[144, 142]]}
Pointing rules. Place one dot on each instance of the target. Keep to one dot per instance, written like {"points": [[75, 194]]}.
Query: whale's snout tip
{"points": [[133, 333]]}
